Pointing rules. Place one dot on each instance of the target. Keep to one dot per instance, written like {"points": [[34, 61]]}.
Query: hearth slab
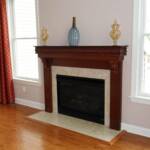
{"points": [[88, 128]]}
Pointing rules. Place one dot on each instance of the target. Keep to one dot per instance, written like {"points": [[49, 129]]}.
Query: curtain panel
{"points": [[6, 81]]}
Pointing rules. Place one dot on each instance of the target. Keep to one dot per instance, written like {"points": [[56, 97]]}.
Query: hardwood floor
{"points": [[19, 133]]}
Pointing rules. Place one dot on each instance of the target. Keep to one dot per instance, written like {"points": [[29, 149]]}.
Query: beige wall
{"points": [[94, 18]]}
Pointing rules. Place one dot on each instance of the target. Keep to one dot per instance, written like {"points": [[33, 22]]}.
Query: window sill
{"points": [[140, 99], [27, 82]]}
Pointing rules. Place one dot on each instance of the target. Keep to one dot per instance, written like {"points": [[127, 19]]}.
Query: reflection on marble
{"points": [[78, 125]]}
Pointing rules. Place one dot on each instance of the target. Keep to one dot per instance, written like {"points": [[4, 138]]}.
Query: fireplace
{"points": [[68, 80], [90, 57], [81, 97]]}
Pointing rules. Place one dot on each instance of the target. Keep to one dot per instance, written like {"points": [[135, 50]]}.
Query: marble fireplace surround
{"points": [[83, 72], [90, 57]]}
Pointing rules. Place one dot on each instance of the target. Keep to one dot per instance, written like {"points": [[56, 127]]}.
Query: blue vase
{"points": [[73, 35]]}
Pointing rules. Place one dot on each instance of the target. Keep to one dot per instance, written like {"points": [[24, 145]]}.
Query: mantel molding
{"points": [[100, 57]]}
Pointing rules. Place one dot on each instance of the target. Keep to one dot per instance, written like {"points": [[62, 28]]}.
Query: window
{"points": [[146, 47], [23, 38], [141, 50]]}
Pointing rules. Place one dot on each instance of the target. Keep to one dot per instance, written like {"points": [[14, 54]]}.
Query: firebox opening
{"points": [[81, 97]]}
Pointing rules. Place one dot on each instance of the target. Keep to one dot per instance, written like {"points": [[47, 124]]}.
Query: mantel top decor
{"points": [[74, 34], [115, 33], [44, 36], [99, 57]]}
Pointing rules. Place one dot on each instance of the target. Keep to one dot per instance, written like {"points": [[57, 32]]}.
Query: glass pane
{"points": [[26, 61], [147, 16], [25, 18], [146, 69]]}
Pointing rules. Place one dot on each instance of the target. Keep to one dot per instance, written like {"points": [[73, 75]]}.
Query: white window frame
{"points": [[17, 79], [137, 54]]}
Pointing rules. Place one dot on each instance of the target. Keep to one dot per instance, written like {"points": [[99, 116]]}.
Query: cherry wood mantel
{"points": [[100, 57]]}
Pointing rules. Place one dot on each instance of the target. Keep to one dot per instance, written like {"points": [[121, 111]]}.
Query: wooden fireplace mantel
{"points": [[100, 57]]}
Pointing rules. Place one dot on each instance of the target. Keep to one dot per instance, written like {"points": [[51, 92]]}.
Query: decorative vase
{"points": [[115, 33], [73, 35], [44, 36]]}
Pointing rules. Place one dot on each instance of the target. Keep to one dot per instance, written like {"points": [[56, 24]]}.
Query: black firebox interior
{"points": [[81, 97]]}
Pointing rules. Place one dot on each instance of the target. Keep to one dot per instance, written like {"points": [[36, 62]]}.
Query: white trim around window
{"points": [[138, 54], [26, 81]]}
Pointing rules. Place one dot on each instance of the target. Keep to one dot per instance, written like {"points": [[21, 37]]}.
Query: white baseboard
{"points": [[30, 103], [136, 129]]}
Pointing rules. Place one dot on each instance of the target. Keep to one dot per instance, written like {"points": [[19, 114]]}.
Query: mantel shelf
{"points": [[79, 51]]}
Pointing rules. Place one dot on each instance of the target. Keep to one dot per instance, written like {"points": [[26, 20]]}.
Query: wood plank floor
{"points": [[19, 133]]}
